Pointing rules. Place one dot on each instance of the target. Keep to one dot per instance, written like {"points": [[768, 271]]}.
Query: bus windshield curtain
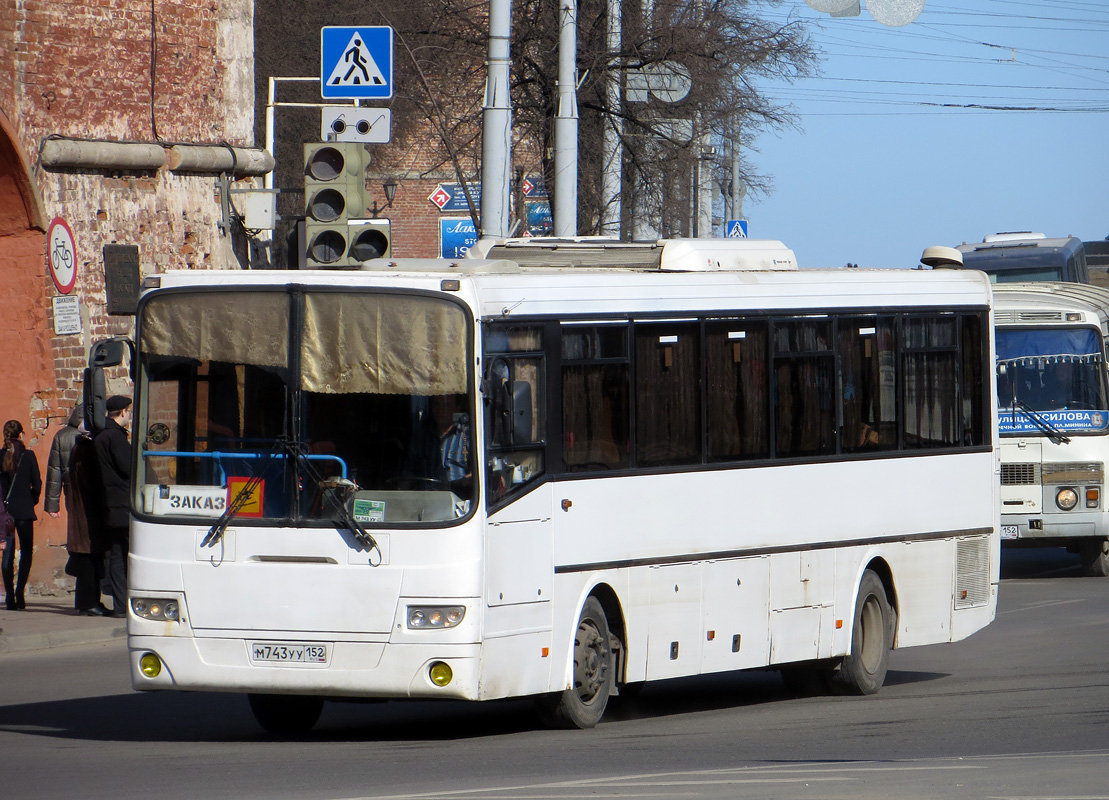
{"points": [[382, 344], [1046, 342], [233, 328]]}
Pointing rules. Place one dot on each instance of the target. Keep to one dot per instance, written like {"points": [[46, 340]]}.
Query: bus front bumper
{"points": [[339, 669]]}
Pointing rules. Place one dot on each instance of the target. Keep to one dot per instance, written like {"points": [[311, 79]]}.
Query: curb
{"points": [[43, 640]]}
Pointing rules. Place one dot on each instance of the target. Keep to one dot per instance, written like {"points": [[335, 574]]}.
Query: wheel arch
{"points": [[880, 567], [617, 626]]}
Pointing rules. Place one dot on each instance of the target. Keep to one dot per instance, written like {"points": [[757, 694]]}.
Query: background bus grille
{"points": [[972, 572], [1020, 474]]}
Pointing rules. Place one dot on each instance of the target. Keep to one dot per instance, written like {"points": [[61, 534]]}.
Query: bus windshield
{"points": [[303, 400], [1052, 370]]}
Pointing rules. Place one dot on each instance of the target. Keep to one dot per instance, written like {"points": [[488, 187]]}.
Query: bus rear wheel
{"points": [[286, 714], [1095, 561], [863, 670], [583, 705]]}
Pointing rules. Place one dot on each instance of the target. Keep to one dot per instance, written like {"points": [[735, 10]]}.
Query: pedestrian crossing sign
{"points": [[356, 63], [735, 229]]}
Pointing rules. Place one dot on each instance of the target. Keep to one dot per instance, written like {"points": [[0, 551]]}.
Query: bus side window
{"points": [[514, 412]]}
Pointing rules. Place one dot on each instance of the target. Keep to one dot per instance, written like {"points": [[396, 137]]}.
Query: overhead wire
{"points": [[937, 42]]}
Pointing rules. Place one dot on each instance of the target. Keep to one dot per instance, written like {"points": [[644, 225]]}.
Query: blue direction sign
{"points": [[735, 229], [450, 197], [356, 63], [456, 236]]}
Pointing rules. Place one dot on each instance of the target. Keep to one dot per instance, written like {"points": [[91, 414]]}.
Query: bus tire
{"points": [[863, 670], [286, 714], [1095, 561], [583, 705]]}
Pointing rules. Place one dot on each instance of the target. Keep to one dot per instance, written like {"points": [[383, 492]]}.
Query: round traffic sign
{"points": [[62, 252]]}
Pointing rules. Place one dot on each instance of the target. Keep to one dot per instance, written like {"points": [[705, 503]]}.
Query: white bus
{"points": [[495, 478], [1053, 413]]}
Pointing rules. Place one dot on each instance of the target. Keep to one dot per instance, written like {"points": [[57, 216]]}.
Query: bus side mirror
{"points": [[498, 389], [95, 399], [107, 353], [521, 412]]}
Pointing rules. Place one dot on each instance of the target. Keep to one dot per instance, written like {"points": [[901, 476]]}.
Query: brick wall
{"points": [[109, 70]]}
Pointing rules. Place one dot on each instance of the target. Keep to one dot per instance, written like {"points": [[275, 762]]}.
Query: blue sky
{"points": [[894, 151]]}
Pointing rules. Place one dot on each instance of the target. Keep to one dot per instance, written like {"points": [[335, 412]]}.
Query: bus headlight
{"points": [[1066, 499], [156, 608], [420, 617]]}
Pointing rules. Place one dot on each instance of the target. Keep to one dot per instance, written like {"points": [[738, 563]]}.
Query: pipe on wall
{"points": [[208, 158]]}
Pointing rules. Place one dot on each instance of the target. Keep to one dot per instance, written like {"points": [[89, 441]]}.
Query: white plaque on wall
{"points": [[67, 314]]}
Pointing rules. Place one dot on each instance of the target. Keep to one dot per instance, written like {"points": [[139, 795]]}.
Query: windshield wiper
{"points": [[1052, 433], [337, 491], [244, 496]]}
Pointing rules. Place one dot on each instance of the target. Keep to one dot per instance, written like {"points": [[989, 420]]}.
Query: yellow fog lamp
{"points": [[440, 673], [150, 665]]}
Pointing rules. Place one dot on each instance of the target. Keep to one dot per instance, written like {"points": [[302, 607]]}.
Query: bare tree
{"points": [[721, 47]]}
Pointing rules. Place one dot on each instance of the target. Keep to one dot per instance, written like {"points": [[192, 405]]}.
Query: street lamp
{"points": [[390, 187]]}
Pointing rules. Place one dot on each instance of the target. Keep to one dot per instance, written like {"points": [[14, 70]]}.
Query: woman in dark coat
{"points": [[21, 484], [86, 534]]}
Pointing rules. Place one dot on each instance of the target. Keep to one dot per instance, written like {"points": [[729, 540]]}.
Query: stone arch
{"points": [[21, 208]]}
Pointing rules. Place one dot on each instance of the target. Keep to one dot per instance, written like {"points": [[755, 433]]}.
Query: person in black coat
{"points": [[21, 484], [113, 451], [57, 466]]}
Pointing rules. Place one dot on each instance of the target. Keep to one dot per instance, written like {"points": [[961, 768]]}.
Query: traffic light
{"points": [[369, 239], [334, 192]]}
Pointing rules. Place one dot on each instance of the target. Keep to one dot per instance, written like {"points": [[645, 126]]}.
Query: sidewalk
{"points": [[53, 622]]}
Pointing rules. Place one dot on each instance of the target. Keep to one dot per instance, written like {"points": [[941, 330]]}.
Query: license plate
{"points": [[1008, 531], [288, 652]]}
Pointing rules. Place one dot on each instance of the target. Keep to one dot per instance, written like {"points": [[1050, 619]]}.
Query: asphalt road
{"points": [[1020, 710]]}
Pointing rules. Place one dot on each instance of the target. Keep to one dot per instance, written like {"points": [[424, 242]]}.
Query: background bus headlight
{"points": [[1066, 499], [420, 617]]}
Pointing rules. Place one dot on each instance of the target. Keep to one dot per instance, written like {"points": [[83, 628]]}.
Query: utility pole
{"points": [[496, 130], [566, 124]]}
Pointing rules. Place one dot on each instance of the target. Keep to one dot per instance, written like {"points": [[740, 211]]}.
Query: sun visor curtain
{"points": [[351, 343], [382, 345], [1046, 342], [234, 328]]}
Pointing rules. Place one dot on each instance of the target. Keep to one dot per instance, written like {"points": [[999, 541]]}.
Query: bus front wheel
{"points": [[583, 705], [1095, 560], [863, 670], [286, 714]]}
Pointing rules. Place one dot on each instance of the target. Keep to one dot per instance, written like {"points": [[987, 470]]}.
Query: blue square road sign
{"points": [[356, 63]]}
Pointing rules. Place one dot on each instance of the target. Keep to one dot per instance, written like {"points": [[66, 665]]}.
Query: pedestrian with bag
{"points": [[113, 451], [73, 471], [21, 484]]}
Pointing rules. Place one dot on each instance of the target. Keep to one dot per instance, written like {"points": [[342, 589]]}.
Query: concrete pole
{"points": [[496, 125], [566, 124], [613, 177], [704, 185]]}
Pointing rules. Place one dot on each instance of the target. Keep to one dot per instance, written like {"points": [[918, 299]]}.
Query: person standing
{"points": [[57, 466], [21, 484], [74, 472], [113, 451]]}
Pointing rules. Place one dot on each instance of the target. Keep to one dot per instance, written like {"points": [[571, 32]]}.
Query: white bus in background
{"points": [[1053, 417], [557, 471]]}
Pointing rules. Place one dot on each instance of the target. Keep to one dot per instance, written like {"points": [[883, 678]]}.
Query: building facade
{"points": [[126, 128]]}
